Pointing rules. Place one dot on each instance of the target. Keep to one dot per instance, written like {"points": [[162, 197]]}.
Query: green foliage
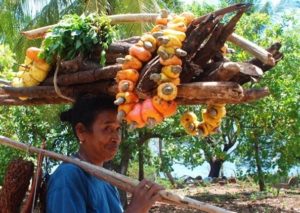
{"points": [[77, 34], [274, 121], [126, 30], [32, 125], [6, 62], [150, 171]]}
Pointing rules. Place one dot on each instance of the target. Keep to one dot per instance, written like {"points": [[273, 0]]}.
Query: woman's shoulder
{"points": [[66, 169], [67, 174]]}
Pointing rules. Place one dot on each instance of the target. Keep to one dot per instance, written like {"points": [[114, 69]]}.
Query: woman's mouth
{"points": [[113, 146]]}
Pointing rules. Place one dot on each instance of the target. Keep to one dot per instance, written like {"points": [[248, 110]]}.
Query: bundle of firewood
{"points": [[207, 76]]}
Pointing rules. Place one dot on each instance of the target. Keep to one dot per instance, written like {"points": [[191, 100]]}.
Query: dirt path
{"points": [[242, 197]]}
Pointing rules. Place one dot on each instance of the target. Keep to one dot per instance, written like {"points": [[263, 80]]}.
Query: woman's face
{"points": [[102, 143]]}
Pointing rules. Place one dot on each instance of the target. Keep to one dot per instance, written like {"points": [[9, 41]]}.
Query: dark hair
{"points": [[85, 109]]}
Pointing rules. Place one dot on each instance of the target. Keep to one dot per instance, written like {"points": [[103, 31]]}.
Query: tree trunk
{"points": [[260, 174], [215, 167], [171, 179], [141, 161], [168, 174]]}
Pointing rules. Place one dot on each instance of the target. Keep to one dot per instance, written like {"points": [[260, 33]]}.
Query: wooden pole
{"points": [[115, 19], [123, 182], [210, 90], [257, 51]]}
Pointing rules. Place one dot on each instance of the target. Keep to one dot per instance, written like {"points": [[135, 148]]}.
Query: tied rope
{"points": [[56, 88], [37, 176]]}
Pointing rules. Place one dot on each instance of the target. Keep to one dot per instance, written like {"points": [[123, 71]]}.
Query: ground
{"points": [[239, 197]]}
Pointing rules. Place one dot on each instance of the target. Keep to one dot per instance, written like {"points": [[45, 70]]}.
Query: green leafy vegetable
{"points": [[77, 34]]}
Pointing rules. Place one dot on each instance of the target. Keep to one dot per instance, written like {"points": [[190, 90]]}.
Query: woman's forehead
{"points": [[107, 117]]}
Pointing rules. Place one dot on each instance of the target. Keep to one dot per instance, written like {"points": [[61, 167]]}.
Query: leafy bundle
{"points": [[77, 34]]}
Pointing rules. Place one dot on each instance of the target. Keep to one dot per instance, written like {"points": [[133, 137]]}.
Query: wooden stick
{"points": [[210, 90], [105, 88], [249, 96], [123, 182], [35, 184], [115, 19], [88, 76], [222, 11], [32, 102], [227, 70], [257, 51]]}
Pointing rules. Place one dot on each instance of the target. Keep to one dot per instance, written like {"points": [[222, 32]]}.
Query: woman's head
{"points": [[94, 122]]}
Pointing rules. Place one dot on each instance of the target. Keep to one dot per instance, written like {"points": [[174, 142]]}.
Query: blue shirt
{"points": [[70, 189]]}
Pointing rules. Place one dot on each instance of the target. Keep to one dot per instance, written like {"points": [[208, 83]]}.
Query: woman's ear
{"points": [[81, 132]]}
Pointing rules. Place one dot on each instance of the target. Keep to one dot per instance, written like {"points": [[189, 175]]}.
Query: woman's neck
{"points": [[85, 157]]}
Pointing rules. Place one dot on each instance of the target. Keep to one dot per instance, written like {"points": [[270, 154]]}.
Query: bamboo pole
{"points": [[123, 182], [115, 19]]}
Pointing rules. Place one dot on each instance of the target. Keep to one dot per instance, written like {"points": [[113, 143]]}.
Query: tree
{"points": [[269, 135]]}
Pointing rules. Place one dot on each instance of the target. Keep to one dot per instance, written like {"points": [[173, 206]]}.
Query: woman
{"points": [[70, 189]]}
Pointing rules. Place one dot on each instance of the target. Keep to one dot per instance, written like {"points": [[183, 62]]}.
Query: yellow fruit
{"points": [[189, 17], [177, 19], [38, 74], [28, 80], [207, 118], [165, 52], [170, 41], [167, 91], [188, 117], [219, 109], [191, 128], [171, 71], [160, 78], [43, 66], [203, 129]]}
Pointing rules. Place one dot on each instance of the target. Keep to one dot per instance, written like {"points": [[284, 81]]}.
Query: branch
{"points": [[257, 51], [210, 90], [35, 101], [223, 11], [88, 76], [105, 88], [115, 19], [123, 182], [249, 96], [274, 50], [228, 70]]}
